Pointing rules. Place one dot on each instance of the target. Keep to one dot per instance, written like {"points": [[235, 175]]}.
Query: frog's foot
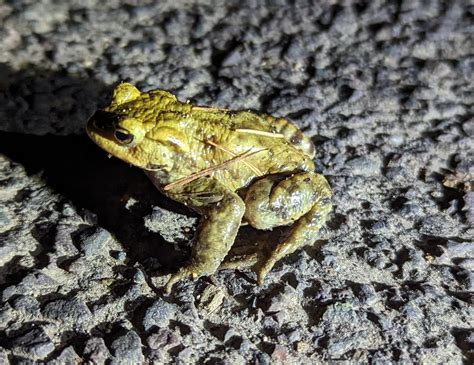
{"points": [[304, 232], [240, 262], [282, 250], [183, 273], [263, 270]]}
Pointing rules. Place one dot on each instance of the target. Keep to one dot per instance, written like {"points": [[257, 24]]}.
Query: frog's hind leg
{"points": [[303, 198], [303, 233]]}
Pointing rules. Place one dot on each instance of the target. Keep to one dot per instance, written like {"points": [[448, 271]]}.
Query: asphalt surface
{"points": [[384, 89]]}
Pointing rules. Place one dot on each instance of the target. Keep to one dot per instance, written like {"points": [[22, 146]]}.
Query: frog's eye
{"points": [[123, 137]]}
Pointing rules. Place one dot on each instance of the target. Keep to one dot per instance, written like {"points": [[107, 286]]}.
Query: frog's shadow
{"points": [[72, 165], [81, 172]]}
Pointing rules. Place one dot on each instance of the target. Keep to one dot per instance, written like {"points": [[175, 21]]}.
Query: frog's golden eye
{"points": [[123, 137]]}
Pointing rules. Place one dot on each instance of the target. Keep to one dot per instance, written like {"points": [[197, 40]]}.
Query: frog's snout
{"points": [[103, 120]]}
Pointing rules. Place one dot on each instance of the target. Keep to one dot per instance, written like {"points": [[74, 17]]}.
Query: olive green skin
{"points": [[273, 185]]}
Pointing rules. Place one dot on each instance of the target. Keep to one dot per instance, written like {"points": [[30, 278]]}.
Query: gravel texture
{"points": [[384, 88]]}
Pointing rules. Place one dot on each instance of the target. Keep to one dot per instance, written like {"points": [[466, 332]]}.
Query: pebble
{"points": [[5, 220], [158, 314], [301, 346], [185, 356], [127, 349], [73, 310], [263, 358], [163, 339], [34, 343], [93, 240], [468, 208], [411, 209], [280, 354], [367, 294], [3, 356], [7, 247], [68, 356], [26, 304], [364, 166], [31, 283], [96, 351]]}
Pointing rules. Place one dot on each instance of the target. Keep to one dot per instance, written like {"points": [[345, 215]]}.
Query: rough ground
{"points": [[384, 88]]}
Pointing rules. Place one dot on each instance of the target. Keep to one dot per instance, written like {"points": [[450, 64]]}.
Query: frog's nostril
{"points": [[103, 120]]}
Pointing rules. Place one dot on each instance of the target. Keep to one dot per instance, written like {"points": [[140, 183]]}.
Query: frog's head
{"points": [[128, 130]]}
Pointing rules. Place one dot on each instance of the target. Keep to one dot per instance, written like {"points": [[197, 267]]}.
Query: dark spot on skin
{"points": [[296, 138], [307, 180]]}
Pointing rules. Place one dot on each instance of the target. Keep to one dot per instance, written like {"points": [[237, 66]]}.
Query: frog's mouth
{"points": [[101, 128]]}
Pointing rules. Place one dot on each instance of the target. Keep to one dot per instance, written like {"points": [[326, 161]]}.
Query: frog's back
{"points": [[291, 133], [248, 120]]}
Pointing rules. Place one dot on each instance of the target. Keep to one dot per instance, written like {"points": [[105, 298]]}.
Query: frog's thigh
{"points": [[273, 201], [305, 230], [215, 236]]}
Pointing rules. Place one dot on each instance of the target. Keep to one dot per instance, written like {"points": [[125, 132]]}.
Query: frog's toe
{"points": [[264, 270], [183, 273], [261, 274], [240, 262]]}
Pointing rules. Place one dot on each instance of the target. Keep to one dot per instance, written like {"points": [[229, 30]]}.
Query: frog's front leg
{"points": [[222, 215], [303, 198]]}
